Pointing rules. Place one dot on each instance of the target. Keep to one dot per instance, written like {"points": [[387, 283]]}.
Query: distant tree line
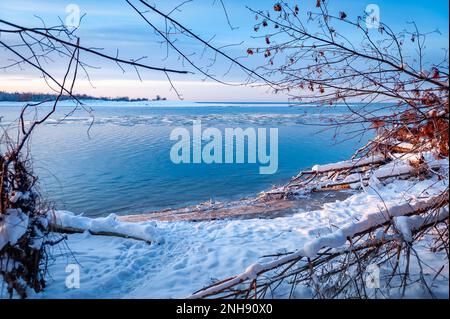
{"points": [[38, 97]]}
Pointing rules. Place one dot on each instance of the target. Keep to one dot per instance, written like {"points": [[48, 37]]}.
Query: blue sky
{"points": [[114, 25]]}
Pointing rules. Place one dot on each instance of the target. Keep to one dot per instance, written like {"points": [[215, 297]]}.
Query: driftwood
{"points": [[343, 185], [73, 230], [334, 178], [243, 209]]}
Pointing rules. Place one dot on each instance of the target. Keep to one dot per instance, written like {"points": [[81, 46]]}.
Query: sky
{"points": [[114, 25]]}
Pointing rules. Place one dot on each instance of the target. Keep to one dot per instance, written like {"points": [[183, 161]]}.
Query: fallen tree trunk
{"points": [[349, 174]]}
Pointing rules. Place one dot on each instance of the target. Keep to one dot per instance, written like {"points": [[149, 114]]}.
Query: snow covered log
{"points": [[336, 240], [349, 164], [67, 222], [357, 173]]}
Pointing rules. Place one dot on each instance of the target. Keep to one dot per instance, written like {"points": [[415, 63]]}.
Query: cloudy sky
{"points": [[114, 25]]}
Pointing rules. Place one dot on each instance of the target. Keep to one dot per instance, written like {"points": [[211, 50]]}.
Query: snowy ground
{"points": [[188, 255]]}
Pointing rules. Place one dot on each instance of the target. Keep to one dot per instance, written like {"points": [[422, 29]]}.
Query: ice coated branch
{"points": [[178, 29]]}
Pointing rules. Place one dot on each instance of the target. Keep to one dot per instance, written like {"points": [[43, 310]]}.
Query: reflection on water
{"points": [[124, 165]]}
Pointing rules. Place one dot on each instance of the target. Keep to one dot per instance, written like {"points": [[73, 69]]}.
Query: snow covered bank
{"points": [[193, 254], [109, 226]]}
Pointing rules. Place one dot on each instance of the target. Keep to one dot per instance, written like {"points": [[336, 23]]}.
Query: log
{"points": [[349, 164], [72, 230]]}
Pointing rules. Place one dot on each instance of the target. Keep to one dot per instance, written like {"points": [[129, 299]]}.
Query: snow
{"points": [[393, 169], [403, 224], [19, 196], [12, 227], [149, 103], [193, 254], [139, 113], [348, 164], [399, 166], [405, 145]]}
